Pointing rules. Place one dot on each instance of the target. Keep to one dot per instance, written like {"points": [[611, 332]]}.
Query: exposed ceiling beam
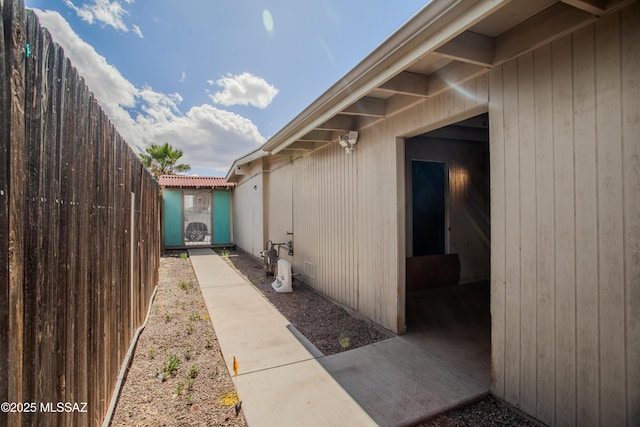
{"points": [[364, 121], [469, 47], [614, 5], [299, 147], [550, 24], [318, 136], [367, 106], [407, 83], [453, 74], [338, 123], [398, 103], [303, 145], [594, 7]]}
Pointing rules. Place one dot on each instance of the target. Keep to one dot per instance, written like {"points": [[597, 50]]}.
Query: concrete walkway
{"points": [[279, 382], [393, 382]]}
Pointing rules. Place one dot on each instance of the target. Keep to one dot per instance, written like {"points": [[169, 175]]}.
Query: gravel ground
{"points": [[488, 412], [327, 325], [179, 326], [178, 335]]}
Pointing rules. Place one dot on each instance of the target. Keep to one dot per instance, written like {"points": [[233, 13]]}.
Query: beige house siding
{"points": [[278, 206], [565, 214], [248, 212], [325, 218], [349, 209], [565, 182]]}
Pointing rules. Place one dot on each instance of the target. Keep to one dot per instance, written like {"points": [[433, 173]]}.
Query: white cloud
{"points": [[211, 138], [138, 31], [104, 11], [244, 89], [183, 76]]}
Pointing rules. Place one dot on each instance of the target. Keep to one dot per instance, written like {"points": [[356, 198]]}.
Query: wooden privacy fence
{"points": [[79, 236]]}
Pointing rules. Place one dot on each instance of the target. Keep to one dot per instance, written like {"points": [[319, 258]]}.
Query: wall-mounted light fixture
{"points": [[349, 140]]}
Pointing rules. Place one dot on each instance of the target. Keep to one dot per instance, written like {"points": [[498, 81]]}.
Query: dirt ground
{"points": [[178, 376]]}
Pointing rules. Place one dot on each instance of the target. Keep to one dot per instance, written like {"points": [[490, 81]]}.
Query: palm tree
{"points": [[162, 159]]}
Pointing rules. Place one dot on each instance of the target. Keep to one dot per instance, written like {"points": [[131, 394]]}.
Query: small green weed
{"points": [[180, 388], [344, 341], [193, 372], [167, 317], [195, 316], [171, 365], [184, 256], [186, 286], [152, 352], [187, 352], [189, 328]]}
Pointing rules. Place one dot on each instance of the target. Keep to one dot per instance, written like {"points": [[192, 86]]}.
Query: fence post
{"points": [[4, 222]]}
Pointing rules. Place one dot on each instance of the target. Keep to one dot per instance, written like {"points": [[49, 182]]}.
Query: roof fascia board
{"points": [[436, 24], [247, 158]]}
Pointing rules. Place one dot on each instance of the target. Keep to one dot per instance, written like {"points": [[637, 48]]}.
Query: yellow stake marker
{"points": [[238, 404]]}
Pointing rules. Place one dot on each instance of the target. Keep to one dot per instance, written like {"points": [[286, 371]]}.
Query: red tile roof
{"points": [[194, 181]]}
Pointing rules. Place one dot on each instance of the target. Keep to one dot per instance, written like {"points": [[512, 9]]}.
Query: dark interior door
{"points": [[428, 194]]}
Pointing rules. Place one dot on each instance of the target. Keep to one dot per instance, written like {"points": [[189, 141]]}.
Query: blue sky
{"points": [[215, 78]]}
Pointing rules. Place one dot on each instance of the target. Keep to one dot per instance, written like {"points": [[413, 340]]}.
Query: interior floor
{"points": [[454, 324]]}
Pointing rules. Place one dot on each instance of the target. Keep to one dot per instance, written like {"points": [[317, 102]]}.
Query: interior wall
{"points": [[565, 244], [468, 200]]}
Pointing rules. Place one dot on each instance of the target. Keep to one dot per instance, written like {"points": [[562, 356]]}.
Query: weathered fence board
{"points": [[15, 38], [79, 238], [4, 221]]}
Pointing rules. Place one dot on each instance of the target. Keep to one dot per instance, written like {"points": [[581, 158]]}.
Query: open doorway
{"points": [[428, 185], [448, 245]]}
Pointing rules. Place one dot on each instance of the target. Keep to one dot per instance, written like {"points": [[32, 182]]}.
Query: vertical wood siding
{"points": [[565, 178], [324, 221], [279, 207], [347, 212], [248, 214]]}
